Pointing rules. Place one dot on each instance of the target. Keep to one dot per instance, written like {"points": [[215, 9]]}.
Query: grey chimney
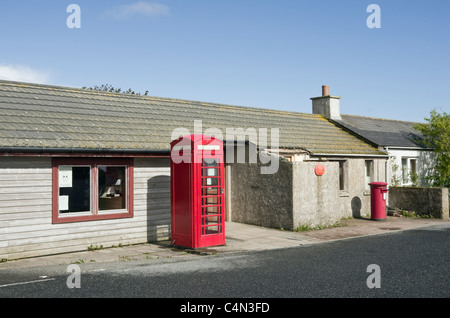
{"points": [[326, 105]]}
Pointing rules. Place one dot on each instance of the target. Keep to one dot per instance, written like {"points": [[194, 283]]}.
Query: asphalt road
{"points": [[413, 263]]}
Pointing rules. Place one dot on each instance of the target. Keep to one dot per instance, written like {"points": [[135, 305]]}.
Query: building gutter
{"points": [[348, 155], [408, 148], [93, 151]]}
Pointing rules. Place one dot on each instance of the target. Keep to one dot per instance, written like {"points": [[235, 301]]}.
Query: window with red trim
{"points": [[87, 189]]}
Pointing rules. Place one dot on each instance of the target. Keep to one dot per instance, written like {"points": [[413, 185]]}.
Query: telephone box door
{"points": [[210, 218]]}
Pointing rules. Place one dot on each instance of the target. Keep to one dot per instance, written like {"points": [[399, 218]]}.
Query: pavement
{"points": [[238, 238]]}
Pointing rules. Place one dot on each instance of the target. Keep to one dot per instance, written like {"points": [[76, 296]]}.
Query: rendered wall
{"points": [[318, 200], [295, 196], [261, 199]]}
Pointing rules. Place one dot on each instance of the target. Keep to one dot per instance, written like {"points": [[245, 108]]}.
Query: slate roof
{"points": [[384, 132], [43, 116]]}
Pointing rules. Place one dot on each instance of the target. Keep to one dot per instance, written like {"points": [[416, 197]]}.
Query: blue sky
{"points": [[261, 53]]}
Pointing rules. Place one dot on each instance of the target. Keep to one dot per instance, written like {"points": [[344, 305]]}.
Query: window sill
{"points": [[84, 218]]}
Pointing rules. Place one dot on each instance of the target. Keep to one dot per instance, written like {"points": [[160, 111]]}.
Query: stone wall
{"points": [[422, 201], [261, 199]]}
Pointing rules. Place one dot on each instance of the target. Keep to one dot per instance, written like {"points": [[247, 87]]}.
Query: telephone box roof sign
{"points": [[198, 140], [195, 137], [182, 148]]}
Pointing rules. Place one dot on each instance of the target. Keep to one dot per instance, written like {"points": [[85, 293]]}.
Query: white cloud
{"points": [[138, 8], [21, 73]]}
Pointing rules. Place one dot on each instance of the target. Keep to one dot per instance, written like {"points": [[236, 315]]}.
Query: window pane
{"points": [[211, 210], [211, 200], [210, 181], [212, 229], [210, 191], [368, 174], [74, 189], [405, 170], [413, 166], [341, 176], [111, 188], [210, 162], [211, 172]]}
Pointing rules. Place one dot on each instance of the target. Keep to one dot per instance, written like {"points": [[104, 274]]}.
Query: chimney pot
{"points": [[325, 90]]}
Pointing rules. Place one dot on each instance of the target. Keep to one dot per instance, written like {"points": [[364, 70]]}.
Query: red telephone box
{"points": [[197, 191]]}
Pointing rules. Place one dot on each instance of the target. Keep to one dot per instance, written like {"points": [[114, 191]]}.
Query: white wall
{"points": [[424, 164], [26, 227]]}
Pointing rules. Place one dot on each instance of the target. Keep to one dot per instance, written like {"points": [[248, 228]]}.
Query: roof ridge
{"points": [[386, 119], [157, 98]]}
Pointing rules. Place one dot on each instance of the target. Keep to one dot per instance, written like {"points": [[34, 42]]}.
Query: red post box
{"points": [[197, 192], [378, 194]]}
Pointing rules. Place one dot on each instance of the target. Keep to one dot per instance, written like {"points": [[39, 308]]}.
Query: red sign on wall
{"points": [[319, 170]]}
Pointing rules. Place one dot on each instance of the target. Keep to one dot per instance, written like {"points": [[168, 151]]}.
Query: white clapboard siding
{"points": [[26, 227], [152, 195]]}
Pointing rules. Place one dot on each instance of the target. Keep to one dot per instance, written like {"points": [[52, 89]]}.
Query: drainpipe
{"points": [[387, 170]]}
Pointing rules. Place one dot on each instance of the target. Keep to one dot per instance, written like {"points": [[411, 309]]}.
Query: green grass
{"points": [[95, 248], [409, 214], [306, 228]]}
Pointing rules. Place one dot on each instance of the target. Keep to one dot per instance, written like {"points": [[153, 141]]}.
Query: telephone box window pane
{"points": [[211, 200], [212, 220], [210, 181], [210, 163], [211, 210], [210, 191], [111, 188], [210, 172], [211, 229], [74, 189]]}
